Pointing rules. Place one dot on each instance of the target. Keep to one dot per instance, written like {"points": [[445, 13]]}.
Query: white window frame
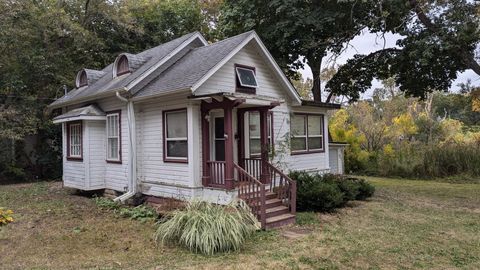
{"points": [[240, 78], [110, 136], [269, 134], [168, 158], [75, 129], [307, 149]]}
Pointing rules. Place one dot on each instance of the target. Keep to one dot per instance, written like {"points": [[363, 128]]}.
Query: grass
{"points": [[408, 224]]}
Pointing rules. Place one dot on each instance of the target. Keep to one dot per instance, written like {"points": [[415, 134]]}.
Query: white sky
{"points": [[367, 43]]}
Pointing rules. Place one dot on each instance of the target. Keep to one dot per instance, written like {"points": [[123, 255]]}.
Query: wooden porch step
{"points": [[281, 220], [273, 203], [276, 211], [269, 195]]}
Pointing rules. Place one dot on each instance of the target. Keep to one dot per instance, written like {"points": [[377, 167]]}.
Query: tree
{"points": [[440, 39], [299, 32]]}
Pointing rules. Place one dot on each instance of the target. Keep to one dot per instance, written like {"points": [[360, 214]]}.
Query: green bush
{"points": [[142, 213], [327, 192], [208, 228]]}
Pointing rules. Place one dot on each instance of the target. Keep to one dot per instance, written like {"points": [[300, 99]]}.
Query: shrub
{"points": [[141, 212], [326, 192], [365, 189], [208, 228], [5, 216]]}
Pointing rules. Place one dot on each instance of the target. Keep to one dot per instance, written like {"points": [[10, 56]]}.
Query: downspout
{"points": [[132, 152]]}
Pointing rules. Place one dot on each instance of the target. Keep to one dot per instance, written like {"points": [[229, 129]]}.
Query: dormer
{"points": [[86, 77], [127, 63]]}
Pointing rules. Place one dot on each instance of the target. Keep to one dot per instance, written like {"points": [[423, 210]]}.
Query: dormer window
{"points": [[246, 80], [82, 79], [121, 66]]}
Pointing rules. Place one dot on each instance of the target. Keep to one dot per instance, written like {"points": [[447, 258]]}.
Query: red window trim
{"points": [[302, 152], [167, 159], [119, 161], [238, 87], [272, 140], [80, 158]]}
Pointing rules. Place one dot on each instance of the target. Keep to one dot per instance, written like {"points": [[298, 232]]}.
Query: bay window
{"points": [[175, 136], [306, 133]]}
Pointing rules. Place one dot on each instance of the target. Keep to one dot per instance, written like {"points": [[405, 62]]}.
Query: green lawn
{"points": [[407, 224]]}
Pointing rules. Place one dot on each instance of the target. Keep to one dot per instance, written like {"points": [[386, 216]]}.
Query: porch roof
{"points": [[249, 100], [91, 112]]}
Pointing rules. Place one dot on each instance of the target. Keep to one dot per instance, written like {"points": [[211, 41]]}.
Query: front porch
{"points": [[228, 161]]}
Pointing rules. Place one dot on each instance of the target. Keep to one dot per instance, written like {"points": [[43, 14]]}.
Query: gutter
{"points": [[132, 151]]}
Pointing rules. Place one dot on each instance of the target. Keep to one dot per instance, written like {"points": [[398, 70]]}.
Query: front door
{"points": [[218, 139]]}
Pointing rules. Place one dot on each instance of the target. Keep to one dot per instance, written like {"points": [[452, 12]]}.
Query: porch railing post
{"points": [[205, 147], [229, 138], [265, 174]]}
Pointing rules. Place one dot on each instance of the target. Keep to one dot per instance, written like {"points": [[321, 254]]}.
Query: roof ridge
{"points": [[229, 38]]}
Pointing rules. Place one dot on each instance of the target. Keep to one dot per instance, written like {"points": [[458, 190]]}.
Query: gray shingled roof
{"points": [[91, 110], [107, 83], [192, 67]]}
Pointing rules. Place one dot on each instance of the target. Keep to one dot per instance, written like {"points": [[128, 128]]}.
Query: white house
{"points": [[188, 119]]}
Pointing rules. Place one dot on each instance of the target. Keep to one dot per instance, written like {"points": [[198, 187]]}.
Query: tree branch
{"points": [[467, 58]]}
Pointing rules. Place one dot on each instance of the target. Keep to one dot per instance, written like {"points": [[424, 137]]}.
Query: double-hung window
{"points": [[74, 140], [113, 137], [254, 132], [307, 133], [175, 136]]}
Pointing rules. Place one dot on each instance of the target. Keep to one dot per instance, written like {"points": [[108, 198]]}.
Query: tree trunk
{"points": [[317, 83]]}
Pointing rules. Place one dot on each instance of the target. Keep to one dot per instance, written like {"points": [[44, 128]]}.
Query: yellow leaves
{"points": [[476, 101], [388, 150], [5, 216], [404, 125]]}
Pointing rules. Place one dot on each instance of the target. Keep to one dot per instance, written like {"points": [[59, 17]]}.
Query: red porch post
{"points": [[229, 138], [241, 137], [205, 147], [265, 175]]}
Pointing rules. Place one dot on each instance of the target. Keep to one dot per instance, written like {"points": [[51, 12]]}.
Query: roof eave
{"points": [[312, 103]]}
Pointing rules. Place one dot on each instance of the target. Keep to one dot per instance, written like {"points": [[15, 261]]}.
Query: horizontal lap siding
{"points": [[151, 167], [116, 175], [315, 162], [73, 171], [97, 154], [224, 79]]}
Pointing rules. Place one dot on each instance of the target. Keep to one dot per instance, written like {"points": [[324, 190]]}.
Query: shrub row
{"points": [[327, 192]]}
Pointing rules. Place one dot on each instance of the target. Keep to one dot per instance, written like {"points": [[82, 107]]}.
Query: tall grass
{"points": [[432, 161], [208, 228]]}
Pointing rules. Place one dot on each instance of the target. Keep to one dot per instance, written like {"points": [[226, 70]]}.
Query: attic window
{"points": [[82, 79], [246, 76], [122, 65]]}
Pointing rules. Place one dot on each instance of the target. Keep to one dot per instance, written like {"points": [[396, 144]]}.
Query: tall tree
{"points": [[441, 39], [299, 32]]}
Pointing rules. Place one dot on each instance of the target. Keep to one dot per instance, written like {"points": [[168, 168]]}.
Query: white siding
{"points": [[312, 162], [73, 170], [97, 153], [224, 79], [156, 176], [116, 174]]}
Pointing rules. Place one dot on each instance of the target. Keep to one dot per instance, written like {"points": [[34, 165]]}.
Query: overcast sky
{"points": [[368, 43]]}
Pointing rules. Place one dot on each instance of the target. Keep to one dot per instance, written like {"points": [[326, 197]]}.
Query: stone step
{"points": [[278, 221]]}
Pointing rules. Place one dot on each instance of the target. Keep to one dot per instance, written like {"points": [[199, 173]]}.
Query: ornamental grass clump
{"points": [[208, 228], [5, 216]]}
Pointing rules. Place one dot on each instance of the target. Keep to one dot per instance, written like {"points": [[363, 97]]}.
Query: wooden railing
{"points": [[283, 186], [217, 173], [278, 182], [252, 192], [253, 166]]}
